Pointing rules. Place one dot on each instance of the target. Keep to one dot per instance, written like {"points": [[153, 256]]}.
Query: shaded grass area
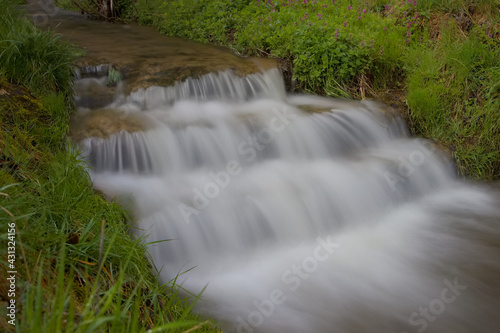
{"points": [[436, 60], [78, 268]]}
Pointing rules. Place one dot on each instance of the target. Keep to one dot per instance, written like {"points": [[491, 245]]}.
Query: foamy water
{"points": [[295, 221]]}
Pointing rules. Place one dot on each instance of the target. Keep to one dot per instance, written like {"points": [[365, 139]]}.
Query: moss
{"points": [[22, 117]]}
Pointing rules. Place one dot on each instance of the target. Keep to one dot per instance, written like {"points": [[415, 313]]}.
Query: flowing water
{"points": [[295, 221], [291, 213]]}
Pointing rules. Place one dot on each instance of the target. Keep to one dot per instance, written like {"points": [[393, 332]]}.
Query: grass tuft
{"points": [[37, 59]]}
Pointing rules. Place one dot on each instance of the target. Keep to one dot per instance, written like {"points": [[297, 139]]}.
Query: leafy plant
{"points": [[440, 56]]}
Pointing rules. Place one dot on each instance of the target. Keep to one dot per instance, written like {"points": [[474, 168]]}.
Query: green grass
{"points": [[443, 56], [455, 6], [63, 284], [38, 59], [78, 268], [453, 98], [330, 45]]}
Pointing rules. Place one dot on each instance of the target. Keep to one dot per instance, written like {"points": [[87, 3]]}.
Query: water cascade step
{"points": [[301, 221]]}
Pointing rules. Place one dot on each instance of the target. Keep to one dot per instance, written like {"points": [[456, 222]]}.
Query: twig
{"points": [[90, 11], [269, 54]]}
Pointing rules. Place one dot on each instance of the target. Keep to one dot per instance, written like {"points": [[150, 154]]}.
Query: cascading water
{"points": [[294, 221]]}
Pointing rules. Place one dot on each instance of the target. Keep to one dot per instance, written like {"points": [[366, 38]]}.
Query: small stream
{"points": [[292, 213]]}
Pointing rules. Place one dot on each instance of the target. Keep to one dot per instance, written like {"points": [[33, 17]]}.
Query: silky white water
{"points": [[300, 221]]}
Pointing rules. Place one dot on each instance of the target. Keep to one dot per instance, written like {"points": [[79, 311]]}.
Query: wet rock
{"points": [[92, 93], [103, 123]]}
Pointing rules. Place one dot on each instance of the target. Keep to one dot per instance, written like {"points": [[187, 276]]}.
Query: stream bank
{"points": [[75, 266], [435, 61]]}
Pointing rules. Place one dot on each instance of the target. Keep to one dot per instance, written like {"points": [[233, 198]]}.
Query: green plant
{"points": [[453, 99], [453, 6], [78, 268], [447, 75], [330, 44], [114, 76], [29, 56]]}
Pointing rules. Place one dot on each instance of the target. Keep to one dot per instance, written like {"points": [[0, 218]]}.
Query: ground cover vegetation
{"points": [[77, 267], [438, 61]]}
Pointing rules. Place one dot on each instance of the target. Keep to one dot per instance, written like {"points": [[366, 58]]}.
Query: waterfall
{"points": [[302, 213]]}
